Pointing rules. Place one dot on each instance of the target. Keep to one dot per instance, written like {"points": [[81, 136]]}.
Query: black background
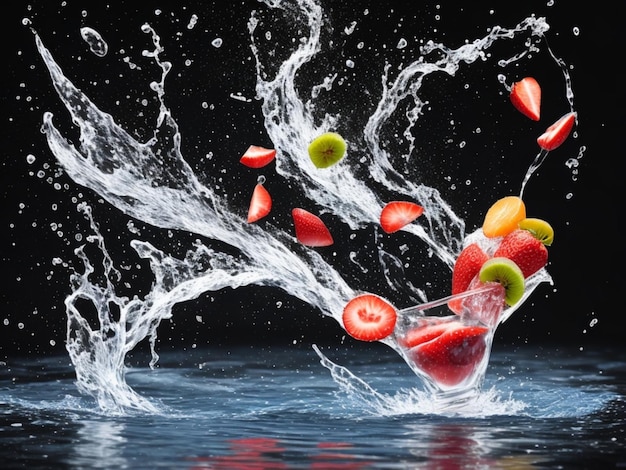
{"points": [[584, 307]]}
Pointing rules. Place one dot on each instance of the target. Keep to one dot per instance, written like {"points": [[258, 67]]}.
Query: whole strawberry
{"points": [[521, 246], [466, 267]]}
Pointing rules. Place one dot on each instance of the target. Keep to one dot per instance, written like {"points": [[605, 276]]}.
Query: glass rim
{"points": [[445, 300]]}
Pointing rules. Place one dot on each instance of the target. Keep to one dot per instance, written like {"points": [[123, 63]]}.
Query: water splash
{"points": [[415, 400], [151, 181]]}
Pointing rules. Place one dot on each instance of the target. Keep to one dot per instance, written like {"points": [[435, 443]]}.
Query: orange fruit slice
{"points": [[503, 216]]}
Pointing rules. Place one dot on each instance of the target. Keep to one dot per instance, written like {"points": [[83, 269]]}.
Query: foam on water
{"points": [[152, 182]]}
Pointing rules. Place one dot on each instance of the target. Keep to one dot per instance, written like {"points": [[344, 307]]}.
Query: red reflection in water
{"points": [[450, 447], [264, 453]]}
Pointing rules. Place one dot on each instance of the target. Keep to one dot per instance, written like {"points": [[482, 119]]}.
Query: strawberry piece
{"points": [[453, 356], [556, 134], [525, 250], [397, 214], [310, 229], [423, 334], [369, 317], [526, 97], [260, 203], [257, 157], [466, 267]]}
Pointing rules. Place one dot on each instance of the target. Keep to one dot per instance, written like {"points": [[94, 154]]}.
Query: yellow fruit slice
{"points": [[503, 216]]}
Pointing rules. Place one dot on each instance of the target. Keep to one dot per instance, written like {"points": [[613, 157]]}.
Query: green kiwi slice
{"points": [[540, 229], [327, 149], [507, 273]]}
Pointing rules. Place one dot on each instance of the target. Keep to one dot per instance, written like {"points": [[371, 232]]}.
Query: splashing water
{"points": [[152, 182]]}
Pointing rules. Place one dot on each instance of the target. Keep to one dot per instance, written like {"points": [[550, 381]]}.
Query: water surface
{"points": [[264, 407]]}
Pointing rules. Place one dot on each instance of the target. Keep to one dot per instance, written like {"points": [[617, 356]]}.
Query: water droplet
{"points": [[192, 21], [30, 158], [350, 29], [401, 43], [217, 42], [96, 44], [349, 63]]}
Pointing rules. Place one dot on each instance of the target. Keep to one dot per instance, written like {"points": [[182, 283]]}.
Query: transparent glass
{"points": [[447, 342]]}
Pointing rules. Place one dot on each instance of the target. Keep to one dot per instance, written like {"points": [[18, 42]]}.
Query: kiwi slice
{"points": [[540, 229], [327, 149], [507, 273]]}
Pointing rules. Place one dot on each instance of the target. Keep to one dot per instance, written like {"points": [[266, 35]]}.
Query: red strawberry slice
{"points": [[257, 157], [525, 250], [423, 334], [260, 203], [556, 134], [397, 214], [526, 97], [310, 230], [467, 265], [453, 356], [369, 317]]}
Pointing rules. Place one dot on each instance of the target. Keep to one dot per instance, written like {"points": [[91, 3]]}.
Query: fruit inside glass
{"points": [[447, 342]]}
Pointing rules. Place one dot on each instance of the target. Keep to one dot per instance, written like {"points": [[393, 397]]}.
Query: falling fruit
{"points": [[557, 133], [397, 214], [257, 157], [327, 149], [310, 229], [260, 203], [526, 97], [504, 216]]}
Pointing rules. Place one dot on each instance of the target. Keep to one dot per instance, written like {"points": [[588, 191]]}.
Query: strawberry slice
{"points": [[467, 265], [369, 317], [556, 134], [521, 247], [310, 230], [453, 356], [397, 214], [423, 334], [260, 203], [526, 97], [257, 157]]}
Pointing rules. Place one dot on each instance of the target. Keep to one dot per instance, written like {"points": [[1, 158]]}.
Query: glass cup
{"points": [[447, 342]]}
